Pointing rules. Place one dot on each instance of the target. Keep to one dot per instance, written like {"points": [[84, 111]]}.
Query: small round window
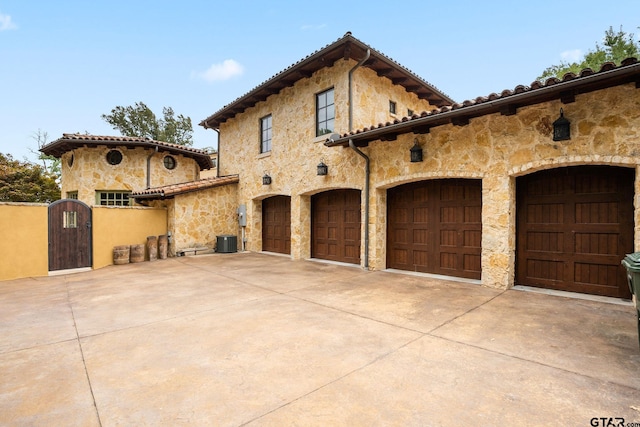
{"points": [[70, 160], [114, 157], [169, 162]]}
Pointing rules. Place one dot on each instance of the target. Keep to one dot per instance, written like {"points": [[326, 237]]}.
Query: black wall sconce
{"points": [[561, 128], [266, 179], [322, 168], [416, 152]]}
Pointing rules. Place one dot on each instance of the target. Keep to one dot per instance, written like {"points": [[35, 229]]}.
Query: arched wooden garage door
{"points": [[335, 226], [436, 227], [575, 225], [276, 224]]}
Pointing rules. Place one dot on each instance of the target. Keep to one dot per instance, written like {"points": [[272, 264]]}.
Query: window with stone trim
{"points": [[325, 112], [266, 133], [169, 162], [112, 198], [72, 195], [114, 157]]}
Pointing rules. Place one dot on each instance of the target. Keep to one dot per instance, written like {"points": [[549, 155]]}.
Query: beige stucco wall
{"points": [[605, 128], [24, 239], [90, 171], [120, 225]]}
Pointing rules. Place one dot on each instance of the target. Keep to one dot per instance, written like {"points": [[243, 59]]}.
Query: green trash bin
{"points": [[632, 263]]}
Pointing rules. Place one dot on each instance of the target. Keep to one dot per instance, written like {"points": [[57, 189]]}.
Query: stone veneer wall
{"points": [[195, 219], [605, 128], [90, 171], [296, 151]]}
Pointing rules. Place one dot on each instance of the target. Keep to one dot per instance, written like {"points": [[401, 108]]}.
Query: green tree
{"points": [[49, 163], [138, 120], [617, 46], [22, 181]]}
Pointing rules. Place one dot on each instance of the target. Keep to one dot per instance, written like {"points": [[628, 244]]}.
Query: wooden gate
{"points": [[69, 235]]}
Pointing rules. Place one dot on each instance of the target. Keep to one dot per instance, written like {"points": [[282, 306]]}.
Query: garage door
{"points": [[574, 227], [276, 224], [436, 227], [335, 226]]}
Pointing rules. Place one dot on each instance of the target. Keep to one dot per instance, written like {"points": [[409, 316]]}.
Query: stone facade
{"points": [[85, 170], [296, 151], [498, 148], [493, 148], [195, 219]]}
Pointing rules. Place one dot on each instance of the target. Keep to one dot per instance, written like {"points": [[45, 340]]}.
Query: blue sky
{"points": [[65, 63]]}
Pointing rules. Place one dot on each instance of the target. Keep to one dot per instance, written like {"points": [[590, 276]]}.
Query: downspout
{"points": [[366, 202], [367, 169], [149, 167], [218, 157]]}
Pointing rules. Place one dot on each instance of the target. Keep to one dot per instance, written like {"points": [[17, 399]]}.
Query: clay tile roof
{"points": [[71, 141], [343, 48], [169, 191], [507, 102]]}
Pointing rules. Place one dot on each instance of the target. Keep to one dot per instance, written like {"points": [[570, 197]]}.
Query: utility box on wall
{"points": [[226, 243], [242, 215]]}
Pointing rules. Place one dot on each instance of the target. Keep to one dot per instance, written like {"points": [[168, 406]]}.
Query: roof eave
{"points": [[603, 79], [296, 72], [63, 145]]}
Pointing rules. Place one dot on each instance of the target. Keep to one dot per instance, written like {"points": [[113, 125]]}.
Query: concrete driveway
{"points": [[258, 339]]}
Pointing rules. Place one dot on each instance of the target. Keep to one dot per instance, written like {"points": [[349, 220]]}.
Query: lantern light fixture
{"points": [[323, 169], [561, 128], [416, 152], [266, 179]]}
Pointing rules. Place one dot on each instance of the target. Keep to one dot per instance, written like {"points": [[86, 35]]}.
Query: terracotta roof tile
{"points": [[168, 191], [345, 47], [70, 141], [587, 80]]}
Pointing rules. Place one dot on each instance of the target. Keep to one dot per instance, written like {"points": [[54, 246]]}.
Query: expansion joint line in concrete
{"points": [[431, 334], [335, 380], [465, 313], [84, 363]]}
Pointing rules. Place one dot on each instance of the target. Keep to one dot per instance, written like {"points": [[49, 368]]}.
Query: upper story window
{"points": [[325, 112], [265, 134], [392, 107], [169, 162], [114, 157]]}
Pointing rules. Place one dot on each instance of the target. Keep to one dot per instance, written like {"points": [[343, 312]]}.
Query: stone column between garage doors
{"points": [[300, 226], [498, 231]]}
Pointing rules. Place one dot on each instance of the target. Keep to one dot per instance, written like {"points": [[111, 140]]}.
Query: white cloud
{"points": [[218, 72], [312, 27], [6, 23], [571, 55]]}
